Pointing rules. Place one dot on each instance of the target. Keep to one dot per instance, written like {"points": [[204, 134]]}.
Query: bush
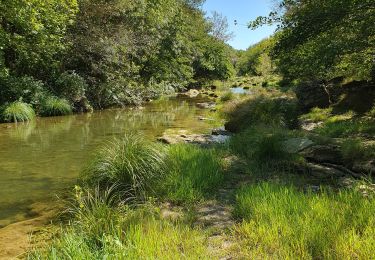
{"points": [[193, 174], [284, 223], [227, 96], [52, 106], [261, 144], [70, 86], [18, 112], [25, 88], [132, 163], [261, 109]]}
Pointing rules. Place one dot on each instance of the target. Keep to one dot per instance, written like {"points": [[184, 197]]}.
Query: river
{"points": [[41, 159]]}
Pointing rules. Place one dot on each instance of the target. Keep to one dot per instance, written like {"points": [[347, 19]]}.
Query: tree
{"points": [[322, 39], [220, 27]]}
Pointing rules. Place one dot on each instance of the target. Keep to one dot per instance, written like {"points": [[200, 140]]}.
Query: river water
{"points": [[43, 158]]}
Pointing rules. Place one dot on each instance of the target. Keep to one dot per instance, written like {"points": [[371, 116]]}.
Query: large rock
{"points": [[295, 145], [323, 154], [192, 93]]}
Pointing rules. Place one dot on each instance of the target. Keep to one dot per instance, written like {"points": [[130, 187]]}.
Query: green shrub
{"points": [[25, 88], [71, 86], [132, 162], [261, 109], [261, 144], [284, 223], [52, 106], [227, 96], [18, 112], [193, 174]]}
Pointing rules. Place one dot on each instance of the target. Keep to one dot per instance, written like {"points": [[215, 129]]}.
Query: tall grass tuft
{"points": [[193, 174], [100, 231], [132, 162], [283, 222], [53, 106], [18, 112]]}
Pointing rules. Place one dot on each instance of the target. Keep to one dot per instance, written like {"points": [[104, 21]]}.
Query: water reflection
{"points": [[40, 158]]}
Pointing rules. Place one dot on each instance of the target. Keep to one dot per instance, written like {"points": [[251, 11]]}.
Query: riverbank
{"points": [[231, 200]]}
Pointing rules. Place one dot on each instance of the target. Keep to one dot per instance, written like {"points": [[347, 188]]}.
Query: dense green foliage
{"points": [[52, 106], [324, 39], [116, 52]]}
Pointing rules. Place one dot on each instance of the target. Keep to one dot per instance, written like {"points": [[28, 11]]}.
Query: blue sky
{"points": [[243, 11]]}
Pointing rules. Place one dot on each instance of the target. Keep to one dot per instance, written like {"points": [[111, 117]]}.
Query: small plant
{"points": [[18, 112], [227, 96], [132, 163], [52, 106]]}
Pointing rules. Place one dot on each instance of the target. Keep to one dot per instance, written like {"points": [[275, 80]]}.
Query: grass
{"points": [[346, 128], [227, 96], [18, 112], [194, 173], [132, 162], [283, 222], [101, 231], [53, 106], [264, 108], [318, 114], [355, 149]]}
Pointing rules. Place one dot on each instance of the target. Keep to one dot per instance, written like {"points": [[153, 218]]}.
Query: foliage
{"points": [[24, 88], [193, 174], [32, 35], [283, 222], [53, 106], [18, 112], [355, 149], [132, 163], [318, 114], [324, 39], [256, 61], [227, 96], [71, 86], [220, 27], [345, 128]]}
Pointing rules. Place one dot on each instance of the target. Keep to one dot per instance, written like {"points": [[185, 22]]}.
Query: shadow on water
{"points": [[40, 159]]}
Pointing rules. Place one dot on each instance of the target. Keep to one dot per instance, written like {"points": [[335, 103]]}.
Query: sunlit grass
{"points": [[18, 112], [53, 106], [283, 222], [193, 174]]}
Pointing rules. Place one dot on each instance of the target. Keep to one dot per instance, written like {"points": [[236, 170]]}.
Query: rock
{"points": [[322, 171], [246, 87], [309, 125], [206, 105], [192, 93], [295, 145], [82, 106], [213, 87], [220, 131], [200, 139], [367, 167], [323, 154], [213, 95]]}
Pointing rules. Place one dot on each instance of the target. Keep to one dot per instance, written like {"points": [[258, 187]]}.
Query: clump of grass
{"points": [[318, 114], [261, 109], [345, 128], [53, 106], [194, 173], [282, 222], [227, 96], [18, 112], [101, 231], [132, 162], [261, 144]]}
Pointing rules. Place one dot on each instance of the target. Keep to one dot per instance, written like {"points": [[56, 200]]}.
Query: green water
{"points": [[41, 159]]}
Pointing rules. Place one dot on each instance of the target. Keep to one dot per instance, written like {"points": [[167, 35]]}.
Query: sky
{"points": [[243, 11]]}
